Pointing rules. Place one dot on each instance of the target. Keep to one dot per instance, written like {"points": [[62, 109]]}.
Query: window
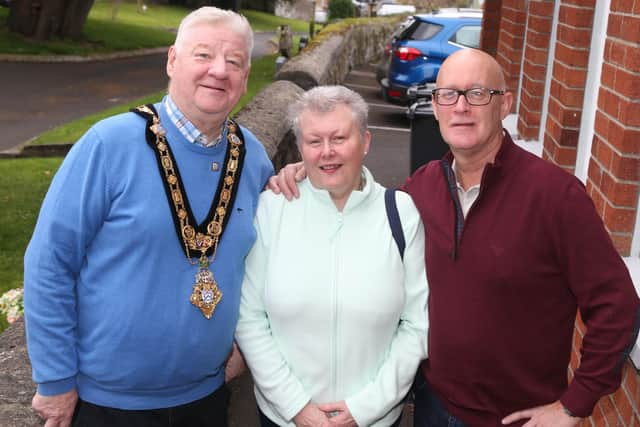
{"points": [[424, 31], [467, 36]]}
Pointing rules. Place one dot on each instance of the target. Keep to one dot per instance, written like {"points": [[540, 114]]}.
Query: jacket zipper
{"points": [[334, 350], [458, 223]]}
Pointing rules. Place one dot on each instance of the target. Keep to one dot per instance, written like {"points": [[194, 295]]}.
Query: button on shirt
{"points": [[188, 129]]}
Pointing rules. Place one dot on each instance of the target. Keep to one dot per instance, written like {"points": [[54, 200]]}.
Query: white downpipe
{"points": [[592, 88]]}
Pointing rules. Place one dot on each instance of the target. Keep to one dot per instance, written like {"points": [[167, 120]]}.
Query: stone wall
{"points": [[330, 62], [16, 388], [325, 63]]}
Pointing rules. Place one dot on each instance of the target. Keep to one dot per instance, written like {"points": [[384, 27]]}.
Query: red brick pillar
{"points": [[569, 75], [511, 41], [490, 26], [614, 168], [536, 55]]}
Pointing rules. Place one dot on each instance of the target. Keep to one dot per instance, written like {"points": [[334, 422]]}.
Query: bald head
{"points": [[476, 64], [473, 131]]}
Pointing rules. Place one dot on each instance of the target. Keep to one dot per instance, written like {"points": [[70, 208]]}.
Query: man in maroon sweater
{"points": [[514, 247]]}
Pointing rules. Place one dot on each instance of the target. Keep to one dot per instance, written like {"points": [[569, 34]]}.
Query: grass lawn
{"points": [[23, 183], [129, 31]]}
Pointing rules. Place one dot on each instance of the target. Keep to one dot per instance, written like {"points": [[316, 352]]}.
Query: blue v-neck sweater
{"points": [[107, 283]]}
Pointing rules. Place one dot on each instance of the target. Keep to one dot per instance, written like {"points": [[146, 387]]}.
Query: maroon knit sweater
{"points": [[503, 298]]}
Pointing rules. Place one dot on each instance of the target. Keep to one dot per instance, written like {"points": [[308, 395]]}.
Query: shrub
{"points": [[339, 9]]}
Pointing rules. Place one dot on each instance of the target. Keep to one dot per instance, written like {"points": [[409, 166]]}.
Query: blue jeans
{"points": [[429, 411]]}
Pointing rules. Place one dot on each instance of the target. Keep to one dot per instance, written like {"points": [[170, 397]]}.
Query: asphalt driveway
{"points": [[38, 96]]}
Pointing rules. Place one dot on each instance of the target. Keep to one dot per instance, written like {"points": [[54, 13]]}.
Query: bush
{"points": [[339, 9]]}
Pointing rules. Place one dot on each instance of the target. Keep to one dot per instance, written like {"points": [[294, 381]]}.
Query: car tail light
{"points": [[394, 93], [407, 53]]}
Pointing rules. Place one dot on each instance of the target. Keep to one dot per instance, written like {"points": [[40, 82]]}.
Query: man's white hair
{"points": [[209, 15]]}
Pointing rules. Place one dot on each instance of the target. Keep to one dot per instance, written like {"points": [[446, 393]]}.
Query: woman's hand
{"points": [[311, 416], [340, 414]]}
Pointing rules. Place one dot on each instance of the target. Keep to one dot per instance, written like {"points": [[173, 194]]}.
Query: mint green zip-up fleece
{"points": [[329, 311]]}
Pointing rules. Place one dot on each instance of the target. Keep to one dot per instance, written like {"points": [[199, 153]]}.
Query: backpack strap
{"points": [[394, 219]]}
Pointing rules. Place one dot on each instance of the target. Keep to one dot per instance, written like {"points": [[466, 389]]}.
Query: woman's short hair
{"points": [[323, 99], [213, 16]]}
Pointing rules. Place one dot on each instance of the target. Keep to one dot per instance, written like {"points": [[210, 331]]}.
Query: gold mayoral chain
{"points": [[198, 241]]}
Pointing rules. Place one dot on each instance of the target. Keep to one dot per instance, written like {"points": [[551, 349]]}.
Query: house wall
{"points": [[511, 42], [571, 48], [614, 168], [568, 81], [534, 67]]}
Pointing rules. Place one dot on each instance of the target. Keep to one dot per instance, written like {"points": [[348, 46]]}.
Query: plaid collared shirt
{"points": [[188, 129]]}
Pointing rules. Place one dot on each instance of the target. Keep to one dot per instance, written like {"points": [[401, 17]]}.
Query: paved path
{"points": [[38, 96]]}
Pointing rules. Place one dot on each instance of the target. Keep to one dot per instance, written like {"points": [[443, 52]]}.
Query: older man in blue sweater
{"points": [[133, 273]]}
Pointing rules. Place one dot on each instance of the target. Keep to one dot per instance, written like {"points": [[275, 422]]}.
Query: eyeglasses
{"points": [[474, 96]]}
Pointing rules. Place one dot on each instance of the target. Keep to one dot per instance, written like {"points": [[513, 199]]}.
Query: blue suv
{"points": [[420, 46]]}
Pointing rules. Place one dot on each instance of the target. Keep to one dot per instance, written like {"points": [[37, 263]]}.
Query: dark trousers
{"points": [[266, 422], [429, 411], [210, 411]]}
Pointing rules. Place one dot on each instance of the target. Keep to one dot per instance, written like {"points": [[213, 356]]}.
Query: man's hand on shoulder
{"points": [[56, 410], [552, 415], [286, 181]]}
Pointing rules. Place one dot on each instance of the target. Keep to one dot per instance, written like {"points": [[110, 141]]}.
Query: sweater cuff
{"points": [[358, 415], [578, 400], [57, 387], [295, 407]]}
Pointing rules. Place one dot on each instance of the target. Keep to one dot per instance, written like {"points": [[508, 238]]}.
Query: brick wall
{"points": [[614, 168], [619, 409], [568, 82], [490, 26], [511, 41], [536, 55]]}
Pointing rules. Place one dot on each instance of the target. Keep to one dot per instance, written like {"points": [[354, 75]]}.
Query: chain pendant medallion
{"points": [[198, 240], [206, 295]]}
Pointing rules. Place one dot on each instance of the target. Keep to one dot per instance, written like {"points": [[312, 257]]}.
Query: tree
{"points": [[46, 19]]}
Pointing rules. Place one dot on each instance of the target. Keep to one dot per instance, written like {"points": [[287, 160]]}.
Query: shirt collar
{"points": [[188, 129], [460, 189]]}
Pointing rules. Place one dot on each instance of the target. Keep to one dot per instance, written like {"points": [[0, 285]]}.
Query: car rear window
{"points": [[422, 31], [397, 33], [468, 36]]}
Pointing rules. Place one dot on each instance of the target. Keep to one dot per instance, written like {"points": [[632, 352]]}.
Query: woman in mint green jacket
{"points": [[333, 320]]}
